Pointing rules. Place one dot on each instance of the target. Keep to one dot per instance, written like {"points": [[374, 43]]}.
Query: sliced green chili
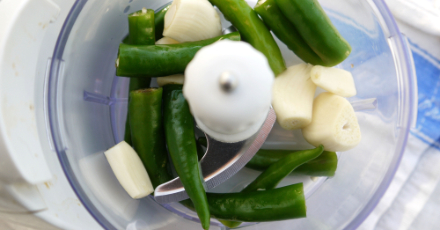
{"points": [[161, 60], [315, 27], [145, 116], [141, 28], [286, 31], [135, 84]]}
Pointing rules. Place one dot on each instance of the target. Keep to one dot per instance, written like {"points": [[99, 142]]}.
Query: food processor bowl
{"points": [[86, 106]]}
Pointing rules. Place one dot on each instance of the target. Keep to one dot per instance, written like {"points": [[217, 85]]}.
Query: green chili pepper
{"points": [[201, 142], [253, 30], [259, 206], [145, 114], [140, 33], [324, 165], [264, 158], [161, 60], [179, 131], [271, 177], [280, 169], [315, 27], [159, 21], [135, 84], [276, 172], [286, 31], [141, 28], [159, 24]]}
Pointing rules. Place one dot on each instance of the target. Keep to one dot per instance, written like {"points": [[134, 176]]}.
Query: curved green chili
{"points": [[324, 165], [280, 169], [179, 131], [145, 116], [264, 158], [253, 30], [259, 206], [315, 27], [161, 60], [286, 31], [268, 179]]}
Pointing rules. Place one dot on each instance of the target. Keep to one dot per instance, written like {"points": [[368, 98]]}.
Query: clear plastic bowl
{"points": [[87, 107]]}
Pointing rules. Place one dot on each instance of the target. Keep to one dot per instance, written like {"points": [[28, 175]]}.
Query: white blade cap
{"points": [[229, 89]]}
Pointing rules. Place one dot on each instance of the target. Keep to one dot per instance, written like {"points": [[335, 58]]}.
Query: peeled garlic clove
{"points": [[292, 97], [334, 124], [129, 170], [334, 80], [192, 20]]}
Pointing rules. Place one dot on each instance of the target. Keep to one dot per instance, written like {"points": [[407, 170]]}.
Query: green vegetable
{"points": [[280, 169], [202, 142], [264, 158], [135, 84], [161, 60], [260, 206], [324, 165], [140, 33], [179, 131], [272, 176], [276, 172], [145, 115], [315, 27], [159, 21], [286, 31], [253, 30], [141, 28]]}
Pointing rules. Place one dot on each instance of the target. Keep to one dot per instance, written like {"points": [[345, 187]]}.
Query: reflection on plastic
{"points": [[137, 225], [105, 186], [366, 104]]}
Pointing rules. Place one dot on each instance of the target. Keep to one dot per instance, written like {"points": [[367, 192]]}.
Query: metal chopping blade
{"points": [[221, 162]]}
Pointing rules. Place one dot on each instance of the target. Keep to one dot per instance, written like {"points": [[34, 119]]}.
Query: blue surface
{"points": [[428, 78]]}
